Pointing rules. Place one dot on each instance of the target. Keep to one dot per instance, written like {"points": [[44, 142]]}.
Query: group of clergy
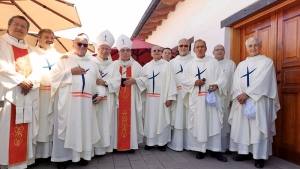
{"points": [[74, 106]]}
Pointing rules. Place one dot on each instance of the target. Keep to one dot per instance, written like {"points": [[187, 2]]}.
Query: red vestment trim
{"points": [[124, 115], [18, 132]]}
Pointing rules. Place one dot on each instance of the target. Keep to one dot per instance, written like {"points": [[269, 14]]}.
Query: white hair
{"points": [[253, 38], [184, 39]]}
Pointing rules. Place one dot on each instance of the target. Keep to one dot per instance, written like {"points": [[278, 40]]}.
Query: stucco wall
{"points": [[201, 19]]}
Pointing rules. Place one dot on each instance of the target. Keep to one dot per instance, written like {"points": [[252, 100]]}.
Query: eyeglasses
{"points": [[217, 50], [156, 50], [184, 46], [84, 44], [125, 50], [18, 24]]}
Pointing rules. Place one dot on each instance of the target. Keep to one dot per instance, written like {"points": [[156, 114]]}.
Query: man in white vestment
{"points": [[228, 67], [160, 93], [254, 107], [167, 54], [74, 89], [178, 117], [204, 89], [111, 80], [18, 97], [45, 56], [128, 124]]}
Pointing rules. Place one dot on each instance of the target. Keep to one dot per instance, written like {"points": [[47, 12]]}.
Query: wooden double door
{"points": [[280, 34]]}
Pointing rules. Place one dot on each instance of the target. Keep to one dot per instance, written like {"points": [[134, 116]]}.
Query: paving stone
{"points": [[135, 157], [186, 165], [155, 159], [122, 163], [138, 165], [106, 165], [156, 166], [178, 158]]}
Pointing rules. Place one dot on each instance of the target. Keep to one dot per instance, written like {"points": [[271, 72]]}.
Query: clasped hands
{"points": [[129, 81], [200, 82], [26, 86], [242, 98]]}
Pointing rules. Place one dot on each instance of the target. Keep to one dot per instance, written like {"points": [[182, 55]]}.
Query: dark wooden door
{"points": [[288, 59], [280, 35]]}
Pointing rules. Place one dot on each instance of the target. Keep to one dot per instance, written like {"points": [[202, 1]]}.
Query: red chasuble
{"points": [[19, 132], [124, 115]]}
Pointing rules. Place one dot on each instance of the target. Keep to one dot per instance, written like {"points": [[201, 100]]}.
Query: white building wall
{"points": [[201, 19]]}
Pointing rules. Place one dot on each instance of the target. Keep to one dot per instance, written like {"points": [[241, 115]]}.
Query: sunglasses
{"points": [[125, 50], [84, 44], [184, 46], [156, 50]]}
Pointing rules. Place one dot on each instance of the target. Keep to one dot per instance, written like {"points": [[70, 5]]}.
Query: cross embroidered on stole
{"points": [[124, 115], [19, 132]]}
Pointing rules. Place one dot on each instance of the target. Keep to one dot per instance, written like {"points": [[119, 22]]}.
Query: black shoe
{"points": [[99, 155], [218, 156], [200, 155], [242, 157], [162, 148], [148, 147], [131, 151], [228, 152], [62, 165], [259, 163], [83, 162], [115, 150], [36, 162]]}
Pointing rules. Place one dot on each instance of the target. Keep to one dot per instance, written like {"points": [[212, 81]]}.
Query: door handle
{"points": [[278, 71]]}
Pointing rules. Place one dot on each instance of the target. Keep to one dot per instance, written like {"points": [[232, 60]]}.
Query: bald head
{"points": [[219, 52]]}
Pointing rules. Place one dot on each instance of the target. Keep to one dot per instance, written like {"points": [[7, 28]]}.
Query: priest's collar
{"points": [[157, 60], [16, 40], [223, 61], [186, 57], [77, 57], [102, 62], [126, 63], [204, 59], [39, 49], [255, 58]]}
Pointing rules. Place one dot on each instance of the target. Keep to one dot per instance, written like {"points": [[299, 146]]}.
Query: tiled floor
{"points": [[155, 159]]}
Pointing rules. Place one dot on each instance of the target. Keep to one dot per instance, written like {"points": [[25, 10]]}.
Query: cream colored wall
{"points": [[201, 19]]}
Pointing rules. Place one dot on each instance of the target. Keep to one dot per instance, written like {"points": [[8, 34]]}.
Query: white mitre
{"points": [[106, 38], [123, 42]]}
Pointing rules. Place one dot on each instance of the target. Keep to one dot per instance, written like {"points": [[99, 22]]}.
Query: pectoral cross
{"points": [[199, 76], [181, 69], [48, 65], [248, 76], [153, 80]]}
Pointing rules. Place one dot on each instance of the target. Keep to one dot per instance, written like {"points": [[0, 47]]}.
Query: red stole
{"points": [[18, 132], [124, 115]]}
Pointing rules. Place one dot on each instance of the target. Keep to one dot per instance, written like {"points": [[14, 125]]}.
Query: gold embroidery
{"points": [[124, 124], [18, 137], [126, 93]]}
